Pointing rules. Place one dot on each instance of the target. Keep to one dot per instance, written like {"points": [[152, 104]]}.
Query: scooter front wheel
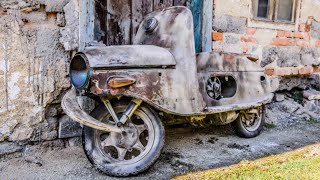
{"points": [[250, 123], [128, 153]]}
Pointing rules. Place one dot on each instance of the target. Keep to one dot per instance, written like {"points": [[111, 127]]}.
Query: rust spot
{"points": [[228, 58], [3, 11], [52, 15], [147, 84]]}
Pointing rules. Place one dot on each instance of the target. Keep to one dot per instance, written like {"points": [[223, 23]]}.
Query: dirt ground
{"points": [[186, 150]]}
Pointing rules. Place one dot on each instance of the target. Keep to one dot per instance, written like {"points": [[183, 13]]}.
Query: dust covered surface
{"points": [[186, 149]]}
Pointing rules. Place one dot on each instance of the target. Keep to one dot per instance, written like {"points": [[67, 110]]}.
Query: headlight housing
{"points": [[80, 71]]}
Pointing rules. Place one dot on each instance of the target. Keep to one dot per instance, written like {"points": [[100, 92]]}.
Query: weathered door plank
{"points": [[160, 4], [100, 30], [118, 22], [196, 8], [206, 29], [180, 2], [86, 23], [139, 10]]}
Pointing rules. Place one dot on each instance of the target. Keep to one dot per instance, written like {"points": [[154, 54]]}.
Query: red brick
{"points": [[281, 72], [302, 43], [289, 34], [294, 71], [307, 70], [245, 49], [302, 27], [280, 42], [306, 36], [317, 44], [290, 71], [2, 13], [269, 71], [308, 28], [217, 36], [316, 69], [248, 39], [287, 71], [299, 35], [280, 33], [251, 31], [292, 42]]}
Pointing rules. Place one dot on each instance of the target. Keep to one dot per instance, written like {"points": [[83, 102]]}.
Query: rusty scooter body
{"points": [[160, 79]]}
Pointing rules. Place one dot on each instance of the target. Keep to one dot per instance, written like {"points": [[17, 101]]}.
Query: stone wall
{"points": [[36, 41], [290, 53]]}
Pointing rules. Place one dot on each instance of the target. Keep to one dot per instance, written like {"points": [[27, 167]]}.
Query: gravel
{"points": [[187, 149]]}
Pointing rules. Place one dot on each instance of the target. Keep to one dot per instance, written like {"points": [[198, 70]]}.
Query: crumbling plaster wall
{"points": [[36, 38], [290, 53]]}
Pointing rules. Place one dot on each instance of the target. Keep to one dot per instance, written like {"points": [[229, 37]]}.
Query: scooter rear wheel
{"points": [[129, 153], [250, 123]]}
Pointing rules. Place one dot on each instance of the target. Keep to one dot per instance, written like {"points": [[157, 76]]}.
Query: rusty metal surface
{"points": [[181, 90], [172, 90], [71, 107], [251, 81], [244, 104], [154, 86], [227, 62], [128, 56]]}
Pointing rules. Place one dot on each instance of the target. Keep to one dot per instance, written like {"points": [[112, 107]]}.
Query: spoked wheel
{"points": [[127, 153], [250, 123]]}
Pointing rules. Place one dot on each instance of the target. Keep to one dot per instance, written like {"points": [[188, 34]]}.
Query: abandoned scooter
{"points": [[160, 80]]}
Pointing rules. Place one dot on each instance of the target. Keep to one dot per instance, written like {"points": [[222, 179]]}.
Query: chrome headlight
{"points": [[80, 71]]}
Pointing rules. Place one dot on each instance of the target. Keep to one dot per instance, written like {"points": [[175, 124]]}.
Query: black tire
{"points": [[105, 164], [243, 131]]}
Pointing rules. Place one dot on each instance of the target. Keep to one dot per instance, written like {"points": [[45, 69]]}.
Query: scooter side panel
{"points": [[251, 82], [249, 86], [154, 86]]}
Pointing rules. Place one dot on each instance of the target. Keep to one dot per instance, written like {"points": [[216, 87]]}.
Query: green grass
{"points": [[313, 121], [303, 163], [270, 126]]}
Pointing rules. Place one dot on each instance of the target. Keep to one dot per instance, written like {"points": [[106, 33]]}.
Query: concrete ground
{"points": [[186, 150]]}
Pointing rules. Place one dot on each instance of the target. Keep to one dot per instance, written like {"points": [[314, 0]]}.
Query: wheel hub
{"points": [[128, 138], [251, 119]]}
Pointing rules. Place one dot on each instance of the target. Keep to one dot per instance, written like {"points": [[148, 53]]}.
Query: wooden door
{"points": [[116, 21]]}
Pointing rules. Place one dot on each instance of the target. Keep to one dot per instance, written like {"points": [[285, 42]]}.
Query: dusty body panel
{"points": [[128, 56], [179, 89], [174, 90], [168, 75], [251, 82]]}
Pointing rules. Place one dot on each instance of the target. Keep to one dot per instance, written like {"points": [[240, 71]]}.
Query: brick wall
{"points": [[282, 53], [243, 42], [288, 53]]}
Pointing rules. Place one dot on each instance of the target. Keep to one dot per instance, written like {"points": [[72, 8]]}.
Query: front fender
{"points": [[71, 107]]}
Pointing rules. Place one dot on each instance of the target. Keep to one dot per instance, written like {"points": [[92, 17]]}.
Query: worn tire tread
{"points": [[238, 128], [116, 174]]}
